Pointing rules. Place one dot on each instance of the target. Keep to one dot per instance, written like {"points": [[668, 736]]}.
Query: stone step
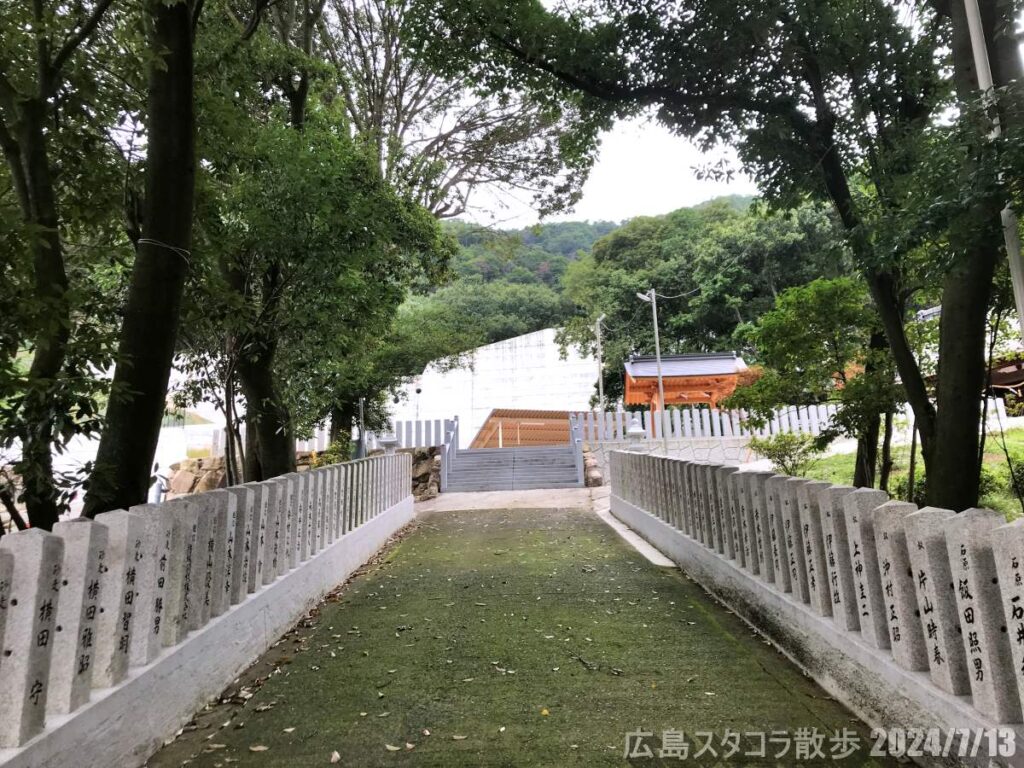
{"points": [[477, 487]]}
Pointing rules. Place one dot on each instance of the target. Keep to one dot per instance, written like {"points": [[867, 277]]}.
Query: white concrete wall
{"points": [[524, 372]]}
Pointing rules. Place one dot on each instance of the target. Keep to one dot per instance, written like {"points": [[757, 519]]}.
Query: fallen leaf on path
{"points": [[258, 748], [335, 757], [458, 738], [544, 712], [392, 748], [425, 731]]}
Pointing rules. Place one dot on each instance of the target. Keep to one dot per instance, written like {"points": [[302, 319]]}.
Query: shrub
{"points": [[989, 482], [1015, 474], [899, 487], [789, 453], [335, 453]]}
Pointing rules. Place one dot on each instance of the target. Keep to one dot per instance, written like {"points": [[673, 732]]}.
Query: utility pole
{"points": [[652, 297], [361, 445], [600, 365], [1011, 233]]}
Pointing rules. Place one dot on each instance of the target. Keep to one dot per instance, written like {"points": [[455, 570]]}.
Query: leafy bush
{"points": [[1014, 482], [335, 453], [789, 453], [990, 482], [899, 489], [1014, 405]]}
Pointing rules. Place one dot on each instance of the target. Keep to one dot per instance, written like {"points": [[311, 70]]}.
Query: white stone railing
{"points": [[913, 617], [130, 622], [687, 423]]}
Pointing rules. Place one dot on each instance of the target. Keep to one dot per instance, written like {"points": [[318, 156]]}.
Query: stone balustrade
{"points": [[913, 617], [98, 605]]}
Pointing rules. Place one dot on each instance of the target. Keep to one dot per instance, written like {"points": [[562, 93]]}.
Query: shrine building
{"points": [[688, 379]]}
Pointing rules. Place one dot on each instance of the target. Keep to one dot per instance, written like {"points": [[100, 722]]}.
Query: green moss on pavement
{"points": [[515, 638]]}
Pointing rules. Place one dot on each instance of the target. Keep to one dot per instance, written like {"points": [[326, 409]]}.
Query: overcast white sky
{"points": [[642, 170]]}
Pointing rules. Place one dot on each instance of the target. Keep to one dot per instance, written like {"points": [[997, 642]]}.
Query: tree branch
{"points": [[72, 43]]}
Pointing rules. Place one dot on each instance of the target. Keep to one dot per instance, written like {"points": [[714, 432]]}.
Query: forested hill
{"points": [[729, 260], [533, 255]]}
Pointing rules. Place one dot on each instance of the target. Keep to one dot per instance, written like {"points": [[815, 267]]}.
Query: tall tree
{"points": [[439, 141], [816, 346], [163, 255], [717, 268], [57, 66], [821, 98]]}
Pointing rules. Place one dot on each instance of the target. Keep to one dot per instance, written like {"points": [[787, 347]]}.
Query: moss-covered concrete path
{"points": [[513, 638]]}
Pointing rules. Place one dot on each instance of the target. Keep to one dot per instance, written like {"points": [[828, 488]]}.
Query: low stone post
{"points": [[299, 511], [734, 513], [389, 442], [337, 506], [894, 570], [201, 579], [973, 568], [722, 482], [831, 502], [282, 498], [859, 507], [789, 499], [6, 572], [777, 532], [718, 520], [244, 518], [759, 515], [635, 434], [814, 547], [309, 546], [328, 525], [1008, 551], [940, 621], [741, 492], [151, 583], [118, 596], [223, 507], [85, 554], [712, 534], [346, 498], [35, 586]]}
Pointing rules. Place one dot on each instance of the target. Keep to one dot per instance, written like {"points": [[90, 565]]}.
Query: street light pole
{"points": [[1008, 218], [600, 365], [652, 297]]}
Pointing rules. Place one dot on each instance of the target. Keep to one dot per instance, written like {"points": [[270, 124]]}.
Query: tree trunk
{"points": [[267, 415], [867, 457], [251, 472], [962, 327], [886, 469], [39, 210], [867, 444], [952, 479], [150, 328], [341, 422], [912, 471]]}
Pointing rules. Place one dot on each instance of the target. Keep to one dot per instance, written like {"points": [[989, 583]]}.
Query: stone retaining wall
{"points": [[114, 632], [913, 618]]}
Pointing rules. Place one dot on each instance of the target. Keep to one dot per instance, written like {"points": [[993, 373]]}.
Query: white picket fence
{"points": [[688, 423], [425, 433]]}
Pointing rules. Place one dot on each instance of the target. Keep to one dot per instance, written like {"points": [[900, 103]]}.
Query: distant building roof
{"points": [[702, 364]]}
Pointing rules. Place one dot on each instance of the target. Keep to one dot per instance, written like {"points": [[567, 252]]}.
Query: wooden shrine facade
{"points": [[689, 379]]}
